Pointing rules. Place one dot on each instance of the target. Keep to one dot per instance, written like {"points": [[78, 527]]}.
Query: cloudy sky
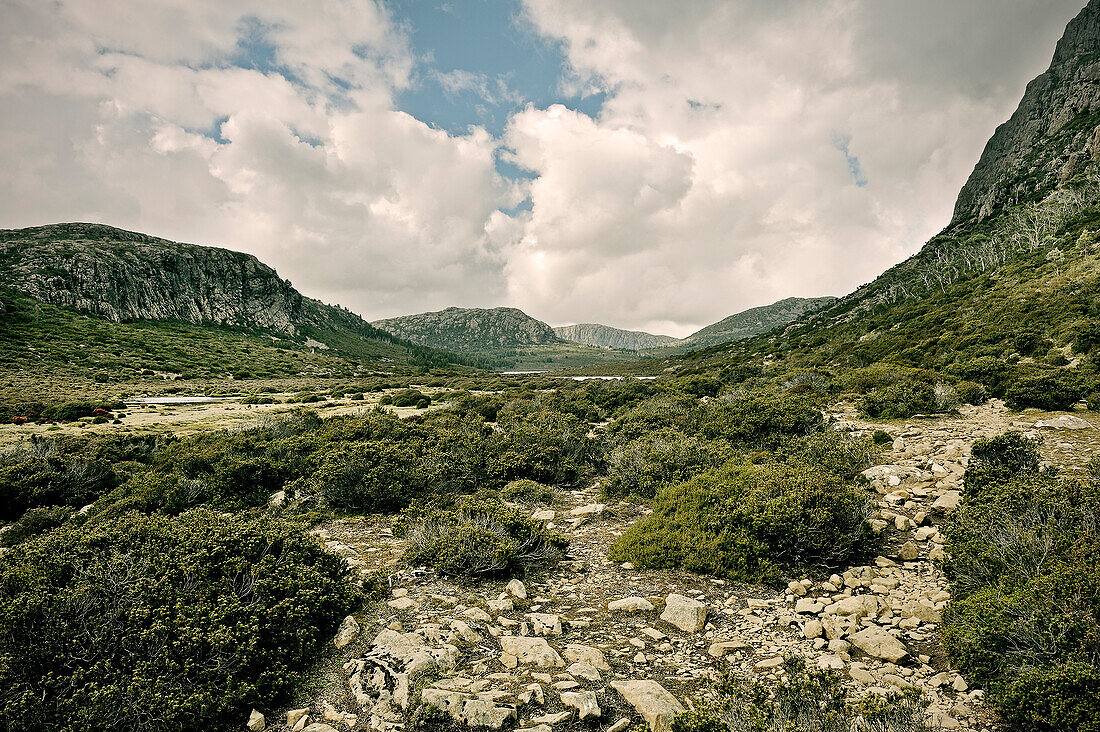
{"points": [[640, 163]]}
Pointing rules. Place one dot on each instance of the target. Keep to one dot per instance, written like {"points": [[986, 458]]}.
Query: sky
{"points": [[639, 163]]}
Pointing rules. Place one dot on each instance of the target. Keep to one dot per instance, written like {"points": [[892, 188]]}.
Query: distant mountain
{"points": [[123, 276], [604, 336], [754, 321], [471, 330]]}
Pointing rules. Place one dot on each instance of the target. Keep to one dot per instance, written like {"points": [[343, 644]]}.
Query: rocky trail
{"points": [[598, 645]]}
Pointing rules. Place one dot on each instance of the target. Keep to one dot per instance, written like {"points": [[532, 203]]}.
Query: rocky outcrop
{"points": [[470, 330], [755, 321], [125, 276], [604, 336], [1053, 134], [121, 275]]}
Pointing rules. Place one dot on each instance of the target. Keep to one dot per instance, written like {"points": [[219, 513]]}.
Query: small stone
{"points": [[908, 552], [477, 615], [769, 663], [544, 623], [721, 648], [796, 588], [586, 654], [294, 715], [516, 588], [256, 722], [959, 684], [483, 713], [347, 632], [585, 671], [948, 502], [403, 603], [829, 661], [503, 605], [620, 726], [813, 629]]}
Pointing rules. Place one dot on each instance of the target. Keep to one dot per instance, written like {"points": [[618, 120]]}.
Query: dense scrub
{"points": [[480, 537], [752, 522], [1025, 605], [154, 622]]}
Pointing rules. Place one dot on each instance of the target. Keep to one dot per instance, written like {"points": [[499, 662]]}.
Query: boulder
{"points": [[652, 701], [685, 613], [856, 606], [908, 551], [878, 643], [483, 713]]}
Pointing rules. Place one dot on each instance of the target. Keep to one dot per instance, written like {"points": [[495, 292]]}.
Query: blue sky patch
{"points": [[855, 168]]}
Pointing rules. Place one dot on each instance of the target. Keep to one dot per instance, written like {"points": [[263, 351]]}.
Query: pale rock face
{"points": [[652, 701], [1037, 148], [578, 653], [685, 613]]}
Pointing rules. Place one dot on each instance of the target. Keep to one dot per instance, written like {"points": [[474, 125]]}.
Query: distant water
{"points": [[175, 400]]}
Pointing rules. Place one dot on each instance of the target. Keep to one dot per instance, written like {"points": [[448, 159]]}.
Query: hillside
{"points": [[1051, 137], [604, 336], [125, 278], [753, 321]]}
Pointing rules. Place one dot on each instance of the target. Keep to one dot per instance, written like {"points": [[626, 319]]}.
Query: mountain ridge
{"points": [[606, 336]]}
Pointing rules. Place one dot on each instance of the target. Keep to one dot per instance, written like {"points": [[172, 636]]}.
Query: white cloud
{"points": [[749, 100], [711, 181]]}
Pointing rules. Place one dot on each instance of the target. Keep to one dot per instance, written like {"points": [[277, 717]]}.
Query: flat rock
{"points": [[652, 701], [630, 605], [880, 644], [685, 613], [483, 713], [577, 653], [533, 651], [544, 623], [1064, 422], [584, 702]]}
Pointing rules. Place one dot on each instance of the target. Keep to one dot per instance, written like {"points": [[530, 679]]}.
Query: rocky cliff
{"points": [[1054, 133], [121, 275], [470, 329], [124, 276], [604, 336], [755, 321]]}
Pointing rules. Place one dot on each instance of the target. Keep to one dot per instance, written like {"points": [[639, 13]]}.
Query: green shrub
{"points": [[408, 398], [35, 521], [42, 474], [906, 397], [152, 622], [646, 464], [527, 491], [480, 537], [369, 476], [803, 701], [1025, 606], [1048, 390], [752, 523]]}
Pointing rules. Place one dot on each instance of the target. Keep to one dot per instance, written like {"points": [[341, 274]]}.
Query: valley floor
{"points": [[540, 655]]}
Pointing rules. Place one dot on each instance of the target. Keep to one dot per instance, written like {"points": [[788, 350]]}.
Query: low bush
{"points": [[646, 464], [804, 701], [1049, 390], [41, 474], [154, 622], [480, 537], [1025, 607], [527, 491], [755, 523]]}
